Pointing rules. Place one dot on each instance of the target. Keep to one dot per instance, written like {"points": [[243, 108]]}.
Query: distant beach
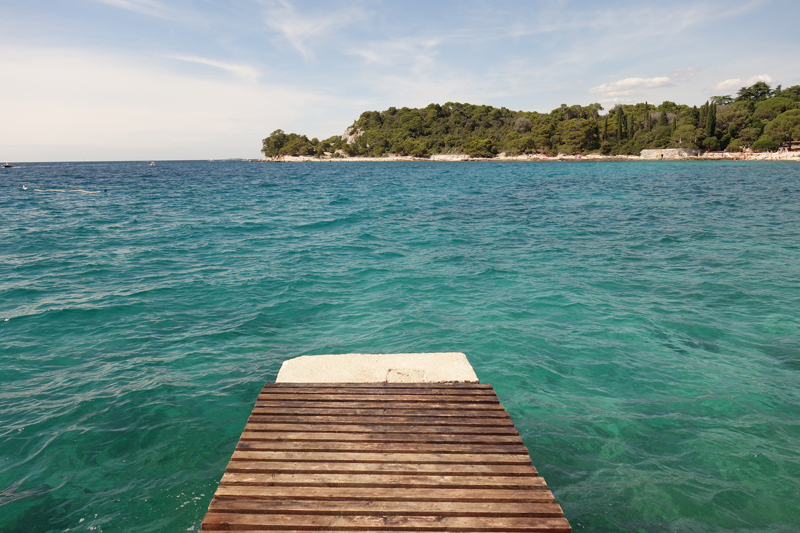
{"points": [[706, 156]]}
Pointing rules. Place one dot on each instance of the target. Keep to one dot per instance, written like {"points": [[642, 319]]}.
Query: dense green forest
{"points": [[758, 117]]}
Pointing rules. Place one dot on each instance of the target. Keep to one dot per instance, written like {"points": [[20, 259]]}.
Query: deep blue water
{"points": [[640, 322]]}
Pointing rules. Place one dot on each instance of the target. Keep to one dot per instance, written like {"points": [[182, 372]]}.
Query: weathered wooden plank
{"points": [[388, 508], [470, 469], [369, 530], [407, 398], [283, 434], [443, 385], [382, 389], [385, 480], [295, 530], [381, 457], [243, 522], [356, 420], [275, 408], [384, 428], [322, 493], [367, 404], [388, 447]]}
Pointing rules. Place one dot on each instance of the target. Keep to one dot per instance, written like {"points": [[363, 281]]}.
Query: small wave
{"points": [[82, 191], [12, 492], [327, 224]]}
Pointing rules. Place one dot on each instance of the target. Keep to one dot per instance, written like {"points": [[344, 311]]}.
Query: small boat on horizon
{"points": [[152, 163], [8, 165]]}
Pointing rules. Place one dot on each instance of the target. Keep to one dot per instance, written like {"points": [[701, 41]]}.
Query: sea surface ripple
{"points": [[638, 320]]}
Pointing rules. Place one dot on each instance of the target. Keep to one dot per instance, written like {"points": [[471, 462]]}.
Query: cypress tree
{"points": [[605, 129], [696, 116], [711, 120], [703, 116], [619, 124]]}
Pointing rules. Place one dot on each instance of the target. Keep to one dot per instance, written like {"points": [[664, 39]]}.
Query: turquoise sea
{"points": [[640, 322]]}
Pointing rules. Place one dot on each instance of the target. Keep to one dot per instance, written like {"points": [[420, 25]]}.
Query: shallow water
{"points": [[638, 320]]}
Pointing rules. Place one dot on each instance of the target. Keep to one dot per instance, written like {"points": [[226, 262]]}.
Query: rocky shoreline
{"points": [[707, 156]]}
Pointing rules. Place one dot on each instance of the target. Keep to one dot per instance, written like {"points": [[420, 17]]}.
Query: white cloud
{"points": [[726, 85], [630, 86], [766, 78], [736, 83], [761, 77]]}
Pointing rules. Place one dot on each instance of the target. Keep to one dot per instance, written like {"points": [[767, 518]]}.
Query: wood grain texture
{"points": [[381, 457]]}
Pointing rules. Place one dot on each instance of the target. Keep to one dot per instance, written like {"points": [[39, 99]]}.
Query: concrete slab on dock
{"points": [[436, 367]]}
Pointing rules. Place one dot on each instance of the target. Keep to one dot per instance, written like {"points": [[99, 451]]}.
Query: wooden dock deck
{"points": [[407, 457]]}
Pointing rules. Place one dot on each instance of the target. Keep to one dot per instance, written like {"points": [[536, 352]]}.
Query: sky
{"points": [[84, 80]]}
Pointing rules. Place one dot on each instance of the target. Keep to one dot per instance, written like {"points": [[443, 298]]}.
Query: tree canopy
{"points": [[758, 113], [785, 127]]}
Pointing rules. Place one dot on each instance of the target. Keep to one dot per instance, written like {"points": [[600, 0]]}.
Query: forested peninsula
{"points": [[758, 118]]}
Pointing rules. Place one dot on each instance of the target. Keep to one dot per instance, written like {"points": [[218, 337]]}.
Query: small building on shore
{"points": [[791, 146], [669, 153]]}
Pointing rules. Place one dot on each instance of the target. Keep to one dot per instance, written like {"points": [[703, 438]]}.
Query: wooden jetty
{"points": [[376, 457]]}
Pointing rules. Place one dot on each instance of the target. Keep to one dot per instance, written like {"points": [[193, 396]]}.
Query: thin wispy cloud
{"points": [[683, 74], [150, 8], [304, 30], [244, 71], [644, 25], [418, 52], [419, 91]]}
